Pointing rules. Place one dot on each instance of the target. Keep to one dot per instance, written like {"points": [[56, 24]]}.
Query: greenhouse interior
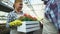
{"points": [[41, 17]]}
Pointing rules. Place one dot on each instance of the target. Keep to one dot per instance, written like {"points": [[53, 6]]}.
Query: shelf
{"points": [[4, 7]]}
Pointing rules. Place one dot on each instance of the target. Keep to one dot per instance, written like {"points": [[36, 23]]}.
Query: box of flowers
{"points": [[27, 23]]}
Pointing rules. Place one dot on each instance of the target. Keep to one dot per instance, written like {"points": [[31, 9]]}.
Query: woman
{"points": [[16, 13]]}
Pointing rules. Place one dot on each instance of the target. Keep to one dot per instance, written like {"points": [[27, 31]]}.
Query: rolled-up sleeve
{"points": [[8, 20]]}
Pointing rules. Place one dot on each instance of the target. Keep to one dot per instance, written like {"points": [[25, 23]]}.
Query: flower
{"points": [[15, 23], [34, 18], [27, 17]]}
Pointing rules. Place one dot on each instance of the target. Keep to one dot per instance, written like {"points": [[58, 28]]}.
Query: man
{"points": [[15, 14], [50, 24]]}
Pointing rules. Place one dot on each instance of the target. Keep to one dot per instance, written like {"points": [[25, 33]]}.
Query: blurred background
{"points": [[33, 7]]}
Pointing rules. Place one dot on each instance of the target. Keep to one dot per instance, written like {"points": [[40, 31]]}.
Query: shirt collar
{"points": [[21, 12]]}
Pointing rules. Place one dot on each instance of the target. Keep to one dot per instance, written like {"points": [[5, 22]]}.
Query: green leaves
{"points": [[27, 17]]}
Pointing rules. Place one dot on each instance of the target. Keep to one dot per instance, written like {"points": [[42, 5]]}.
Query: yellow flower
{"points": [[11, 24], [16, 23]]}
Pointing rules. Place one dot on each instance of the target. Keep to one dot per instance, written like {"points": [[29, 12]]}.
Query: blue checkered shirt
{"points": [[53, 12], [11, 17]]}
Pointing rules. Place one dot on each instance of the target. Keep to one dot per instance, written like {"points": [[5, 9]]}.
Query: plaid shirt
{"points": [[53, 12], [12, 16]]}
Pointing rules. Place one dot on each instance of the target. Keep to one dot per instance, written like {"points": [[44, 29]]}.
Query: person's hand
{"points": [[15, 23]]}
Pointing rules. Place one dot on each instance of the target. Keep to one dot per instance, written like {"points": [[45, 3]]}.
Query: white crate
{"points": [[28, 26]]}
